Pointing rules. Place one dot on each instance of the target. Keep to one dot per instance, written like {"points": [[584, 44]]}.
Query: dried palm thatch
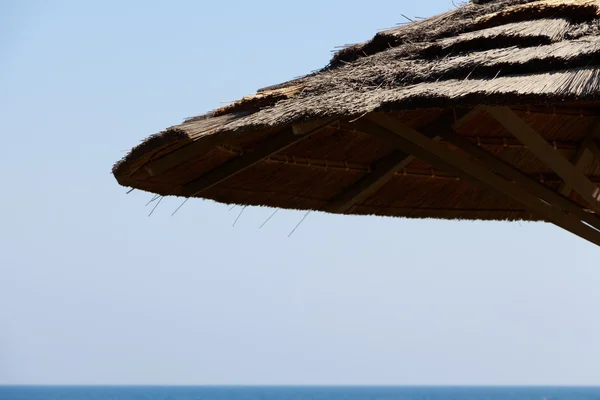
{"points": [[489, 111]]}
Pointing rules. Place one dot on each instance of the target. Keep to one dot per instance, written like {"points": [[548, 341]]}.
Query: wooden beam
{"points": [[181, 155], [584, 156], [544, 151], [268, 148], [411, 141], [381, 172], [305, 128], [207, 143], [385, 168], [582, 160], [512, 173], [466, 117], [561, 111]]}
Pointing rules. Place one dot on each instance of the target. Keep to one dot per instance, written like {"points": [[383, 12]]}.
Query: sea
{"points": [[294, 393]]}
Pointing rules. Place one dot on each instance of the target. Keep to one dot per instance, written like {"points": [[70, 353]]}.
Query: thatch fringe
{"points": [[525, 34], [169, 140], [575, 10], [452, 23], [142, 153], [483, 64], [460, 57], [346, 99]]}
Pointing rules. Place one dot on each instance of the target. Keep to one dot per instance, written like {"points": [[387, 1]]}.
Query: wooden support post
{"points": [[381, 172], [269, 147], [512, 173], [544, 151], [411, 141]]}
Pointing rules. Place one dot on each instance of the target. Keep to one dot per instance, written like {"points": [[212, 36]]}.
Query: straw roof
{"points": [[455, 91]]}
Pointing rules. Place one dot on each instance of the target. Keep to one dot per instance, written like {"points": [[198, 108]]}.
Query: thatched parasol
{"points": [[487, 112]]}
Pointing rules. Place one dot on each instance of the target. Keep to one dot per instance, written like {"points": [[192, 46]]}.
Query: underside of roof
{"points": [[469, 80]]}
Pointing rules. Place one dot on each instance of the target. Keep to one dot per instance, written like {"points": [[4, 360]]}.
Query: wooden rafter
{"points": [[585, 155], [208, 143], [562, 111], [181, 155], [514, 174], [546, 153], [404, 138], [269, 147], [381, 172], [384, 169], [582, 160]]}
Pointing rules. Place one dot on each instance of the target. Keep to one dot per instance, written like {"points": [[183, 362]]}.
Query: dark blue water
{"points": [[294, 393]]}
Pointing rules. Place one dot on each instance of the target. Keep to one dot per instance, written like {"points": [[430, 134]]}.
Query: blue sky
{"points": [[92, 291]]}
